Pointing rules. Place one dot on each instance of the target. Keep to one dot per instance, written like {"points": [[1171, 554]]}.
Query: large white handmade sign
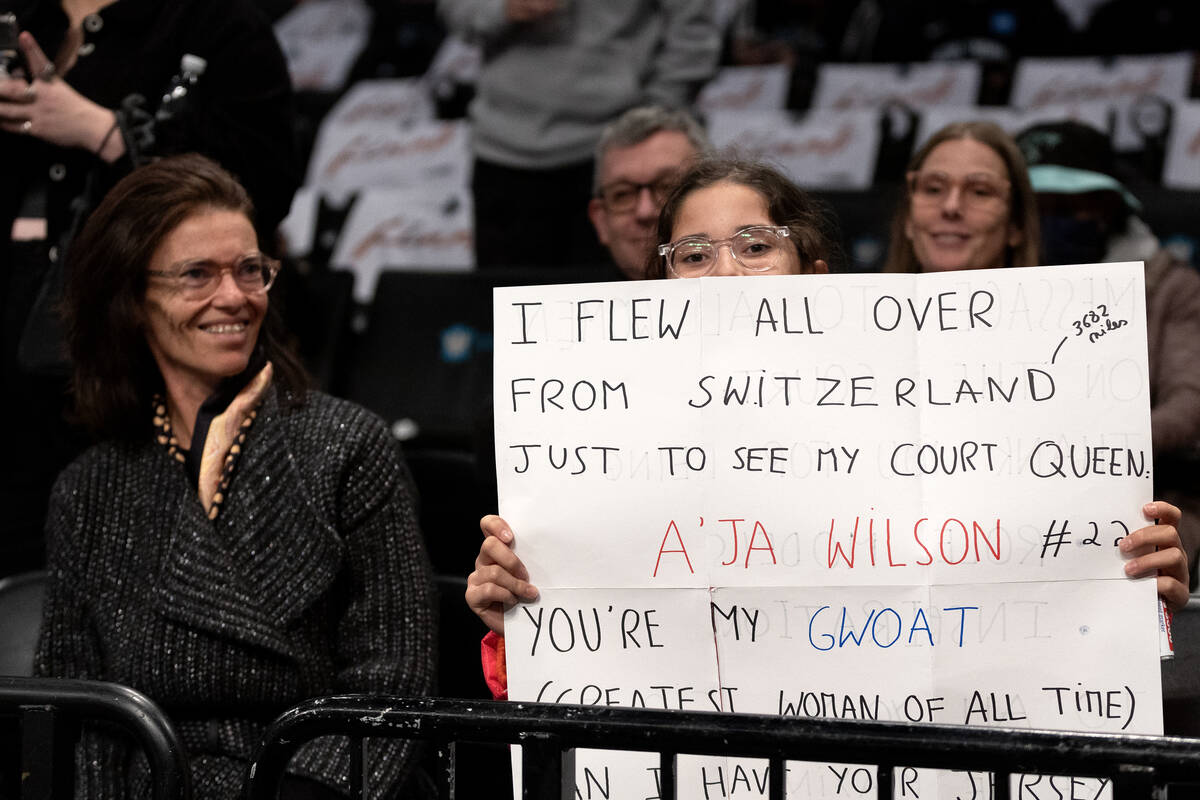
{"points": [[887, 497]]}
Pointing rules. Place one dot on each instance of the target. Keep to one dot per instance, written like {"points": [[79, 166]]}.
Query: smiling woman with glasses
{"points": [[968, 204], [236, 543], [975, 190]]}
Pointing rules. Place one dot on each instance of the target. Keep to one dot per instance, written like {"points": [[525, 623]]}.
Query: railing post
{"points": [[358, 768], [1133, 782], [47, 753], [446, 753], [1001, 785], [668, 764], [567, 785], [547, 772], [50, 710], [778, 778], [884, 781]]}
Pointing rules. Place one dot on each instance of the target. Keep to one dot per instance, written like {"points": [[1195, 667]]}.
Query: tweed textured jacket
{"points": [[313, 580]]}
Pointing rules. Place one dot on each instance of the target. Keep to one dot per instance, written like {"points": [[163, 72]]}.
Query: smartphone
{"points": [[10, 53]]}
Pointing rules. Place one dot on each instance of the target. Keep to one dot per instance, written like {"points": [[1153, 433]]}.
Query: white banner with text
{"points": [[888, 497]]}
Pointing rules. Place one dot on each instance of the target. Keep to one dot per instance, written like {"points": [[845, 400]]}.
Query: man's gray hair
{"points": [[638, 124]]}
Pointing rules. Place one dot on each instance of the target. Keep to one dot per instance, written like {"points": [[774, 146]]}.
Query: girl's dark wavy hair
{"points": [[812, 226], [103, 306]]}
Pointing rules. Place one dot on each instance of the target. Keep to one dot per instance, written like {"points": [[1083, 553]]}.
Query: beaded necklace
{"points": [[165, 436]]}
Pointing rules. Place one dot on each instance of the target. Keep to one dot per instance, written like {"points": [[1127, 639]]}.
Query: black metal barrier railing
{"points": [[50, 711], [1137, 766]]}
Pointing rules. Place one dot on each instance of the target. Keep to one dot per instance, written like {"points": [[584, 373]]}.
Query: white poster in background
{"points": [[405, 229], [298, 228], [456, 62], [370, 104], [1100, 115], [824, 150], [940, 83], [756, 88], [423, 154], [321, 40], [1122, 82], [1181, 169], [900, 496]]}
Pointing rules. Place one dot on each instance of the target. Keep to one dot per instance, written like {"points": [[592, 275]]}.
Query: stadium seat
{"points": [[21, 599]]}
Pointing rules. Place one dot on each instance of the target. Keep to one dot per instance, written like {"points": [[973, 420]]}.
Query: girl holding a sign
{"points": [[732, 218]]}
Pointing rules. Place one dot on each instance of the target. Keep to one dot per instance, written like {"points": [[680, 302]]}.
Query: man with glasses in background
{"points": [[638, 159]]}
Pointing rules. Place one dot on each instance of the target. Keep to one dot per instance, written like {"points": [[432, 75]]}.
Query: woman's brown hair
{"points": [[1022, 203], [114, 375], [811, 225]]}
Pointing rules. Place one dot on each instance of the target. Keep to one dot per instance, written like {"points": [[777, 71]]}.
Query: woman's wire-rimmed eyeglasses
{"points": [[977, 190], [199, 279]]}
